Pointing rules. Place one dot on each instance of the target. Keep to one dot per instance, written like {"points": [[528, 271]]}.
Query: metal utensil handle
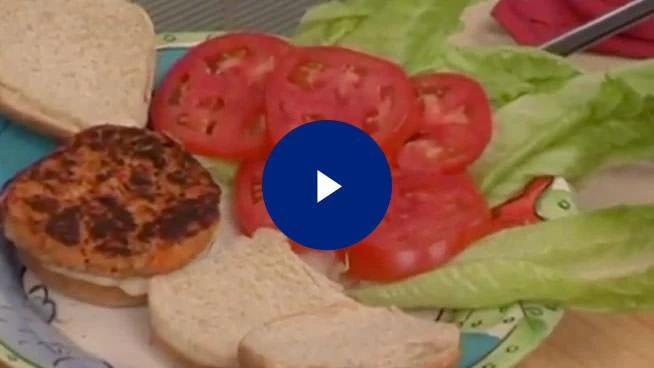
{"points": [[607, 25]]}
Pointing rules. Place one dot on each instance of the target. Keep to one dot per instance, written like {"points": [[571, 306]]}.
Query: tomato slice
{"points": [[421, 229], [519, 211], [454, 124], [334, 83], [250, 210], [212, 100], [482, 230]]}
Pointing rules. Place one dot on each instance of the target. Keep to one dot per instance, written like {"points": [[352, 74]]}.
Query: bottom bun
{"points": [[178, 358], [106, 296]]}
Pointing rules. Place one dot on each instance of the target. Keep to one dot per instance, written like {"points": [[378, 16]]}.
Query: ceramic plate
{"points": [[40, 328]]}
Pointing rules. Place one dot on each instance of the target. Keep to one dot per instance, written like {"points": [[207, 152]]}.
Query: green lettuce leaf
{"points": [[328, 23], [550, 120], [414, 33], [399, 30], [593, 121], [506, 72], [601, 260]]}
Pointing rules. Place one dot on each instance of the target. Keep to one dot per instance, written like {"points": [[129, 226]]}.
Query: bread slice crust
{"points": [[114, 201]]}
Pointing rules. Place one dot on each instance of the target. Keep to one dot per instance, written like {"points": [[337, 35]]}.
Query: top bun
{"points": [[67, 64]]}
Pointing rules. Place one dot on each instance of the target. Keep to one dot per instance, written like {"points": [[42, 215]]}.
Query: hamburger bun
{"points": [[351, 335], [68, 64], [85, 291]]}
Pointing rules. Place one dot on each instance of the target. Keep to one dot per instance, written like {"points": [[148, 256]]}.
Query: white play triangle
{"points": [[325, 186]]}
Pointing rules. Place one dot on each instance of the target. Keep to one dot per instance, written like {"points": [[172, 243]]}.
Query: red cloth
{"points": [[534, 22]]}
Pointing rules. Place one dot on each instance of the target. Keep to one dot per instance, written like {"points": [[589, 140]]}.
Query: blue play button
{"points": [[326, 185]]}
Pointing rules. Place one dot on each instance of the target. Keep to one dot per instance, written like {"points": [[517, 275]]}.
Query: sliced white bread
{"points": [[66, 65], [201, 312], [351, 336]]}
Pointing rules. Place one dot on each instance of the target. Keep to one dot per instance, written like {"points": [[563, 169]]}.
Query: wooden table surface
{"points": [[585, 340]]}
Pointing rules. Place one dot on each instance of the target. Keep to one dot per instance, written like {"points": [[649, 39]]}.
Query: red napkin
{"points": [[533, 22]]}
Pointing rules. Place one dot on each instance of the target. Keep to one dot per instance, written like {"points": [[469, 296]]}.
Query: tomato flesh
{"points": [[422, 227], [519, 211], [334, 83], [454, 124], [212, 100], [250, 210]]}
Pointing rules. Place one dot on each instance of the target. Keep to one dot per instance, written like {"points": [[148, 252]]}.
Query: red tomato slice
{"points": [[521, 210], [421, 229], [482, 230], [251, 212], [325, 82], [212, 100], [454, 124]]}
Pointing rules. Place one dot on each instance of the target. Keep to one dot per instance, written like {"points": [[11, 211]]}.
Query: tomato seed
{"points": [[457, 116], [264, 68], [306, 75], [353, 76], [224, 61]]}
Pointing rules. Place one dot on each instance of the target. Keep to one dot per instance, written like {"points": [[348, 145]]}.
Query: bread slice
{"points": [[202, 312], [66, 65], [351, 336]]}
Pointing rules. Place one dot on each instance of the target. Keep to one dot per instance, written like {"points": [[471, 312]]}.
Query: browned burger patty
{"points": [[114, 201]]}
